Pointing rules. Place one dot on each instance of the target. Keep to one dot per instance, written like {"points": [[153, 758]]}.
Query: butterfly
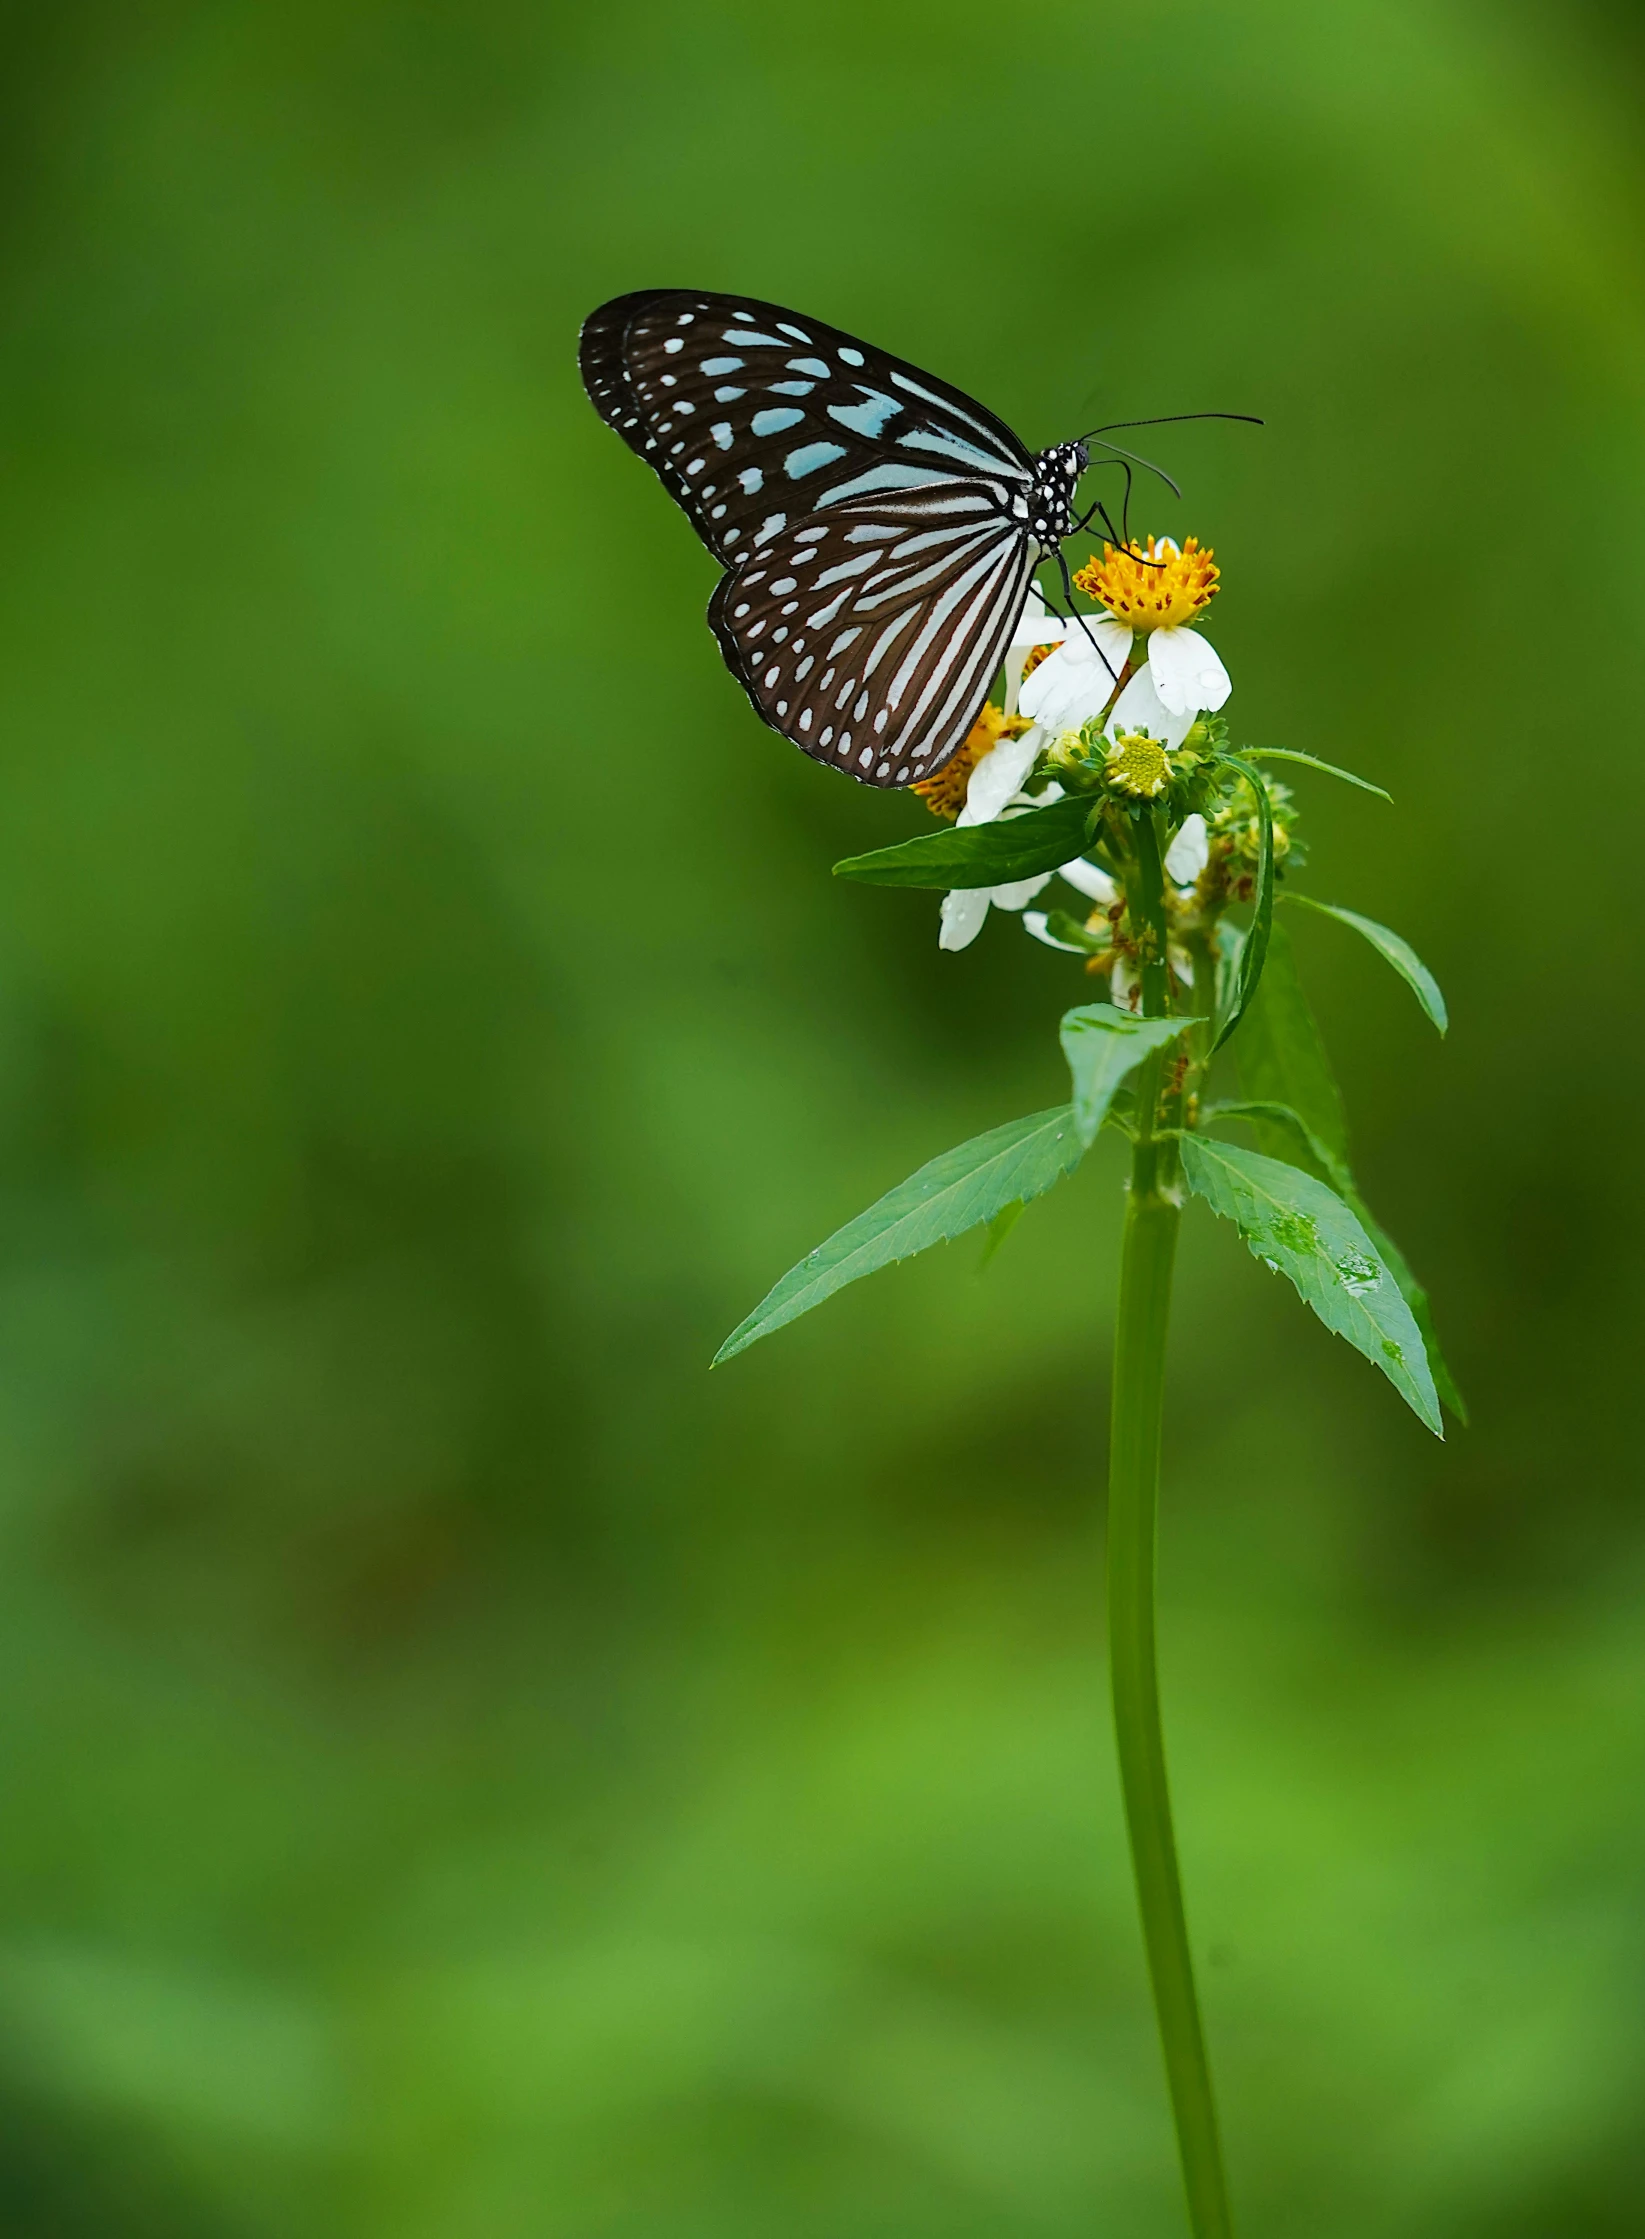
{"points": [[879, 529]]}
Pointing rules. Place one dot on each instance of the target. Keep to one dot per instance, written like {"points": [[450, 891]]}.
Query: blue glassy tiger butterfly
{"points": [[879, 529]]}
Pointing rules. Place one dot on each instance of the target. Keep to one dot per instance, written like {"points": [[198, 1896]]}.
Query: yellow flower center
{"points": [[1138, 765], [944, 791], [1154, 588]]}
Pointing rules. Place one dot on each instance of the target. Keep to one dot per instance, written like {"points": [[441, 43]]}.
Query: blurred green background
{"points": [[463, 1770]]}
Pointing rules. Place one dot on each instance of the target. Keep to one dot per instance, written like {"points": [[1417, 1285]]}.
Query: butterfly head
{"points": [[1051, 504]]}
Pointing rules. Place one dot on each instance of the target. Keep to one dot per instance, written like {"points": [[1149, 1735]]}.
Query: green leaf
{"points": [[1417, 1299], [957, 1191], [1312, 762], [1072, 934], [999, 1228], [1317, 1159], [1400, 954], [1298, 1227], [1316, 1155], [1254, 948], [1296, 1110], [1282, 1060], [1102, 1045], [1012, 847]]}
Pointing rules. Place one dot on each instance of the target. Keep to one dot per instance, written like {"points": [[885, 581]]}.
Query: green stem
{"points": [[1152, 1215]]}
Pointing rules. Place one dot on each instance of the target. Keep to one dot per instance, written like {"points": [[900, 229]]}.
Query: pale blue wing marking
{"points": [[810, 457], [868, 417], [773, 423]]}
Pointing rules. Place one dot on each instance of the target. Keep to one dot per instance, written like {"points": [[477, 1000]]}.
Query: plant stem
{"points": [[1152, 1215]]}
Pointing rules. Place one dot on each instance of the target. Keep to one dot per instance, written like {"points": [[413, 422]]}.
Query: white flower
{"points": [[1089, 878], [998, 775], [1075, 683], [1160, 590], [1187, 671], [995, 787], [1140, 708], [1189, 852], [1037, 923], [1034, 627]]}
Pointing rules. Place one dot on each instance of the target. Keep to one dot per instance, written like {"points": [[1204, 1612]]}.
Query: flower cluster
{"points": [[1114, 702]]}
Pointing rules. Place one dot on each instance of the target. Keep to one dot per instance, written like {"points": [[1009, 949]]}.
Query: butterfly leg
{"points": [[1075, 616]]}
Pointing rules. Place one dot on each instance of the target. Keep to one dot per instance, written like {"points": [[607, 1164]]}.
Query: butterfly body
{"points": [[879, 529]]}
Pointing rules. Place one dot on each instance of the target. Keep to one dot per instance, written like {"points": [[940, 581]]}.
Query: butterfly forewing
{"points": [[869, 635], [807, 458]]}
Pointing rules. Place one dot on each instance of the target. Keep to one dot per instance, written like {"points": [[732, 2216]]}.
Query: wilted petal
{"points": [[1188, 672], [1075, 683], [999, 775], [1189, 852], [962, 914]]}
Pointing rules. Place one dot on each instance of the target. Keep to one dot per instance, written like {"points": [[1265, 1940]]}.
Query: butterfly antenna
{"points": [[1119, 451], [1120, 536], [1173, 419]]}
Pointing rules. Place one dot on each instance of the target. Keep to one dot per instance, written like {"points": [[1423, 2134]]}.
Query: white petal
{"points": [[1188, 671], [1020, 890], [1124, 982], [1036, 627], [998, 775], [962, 914], [1076, 682], [1189, 852], [1085, 878], [1140, 708], [1034, 921]]}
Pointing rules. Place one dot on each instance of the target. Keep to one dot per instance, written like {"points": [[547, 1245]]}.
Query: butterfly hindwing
{"points": [[869, 634]]}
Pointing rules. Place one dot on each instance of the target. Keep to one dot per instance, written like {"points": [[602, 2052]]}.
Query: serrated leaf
{"points": [[1285, 1070], [1313, 762], [1416, 1298], [1316, 1159], [1253, 952], [1301, 1229], [999, 1228], [1102, 1045], [1282, 1059], [997, 854], [960, 1190], [1400, 954]]}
